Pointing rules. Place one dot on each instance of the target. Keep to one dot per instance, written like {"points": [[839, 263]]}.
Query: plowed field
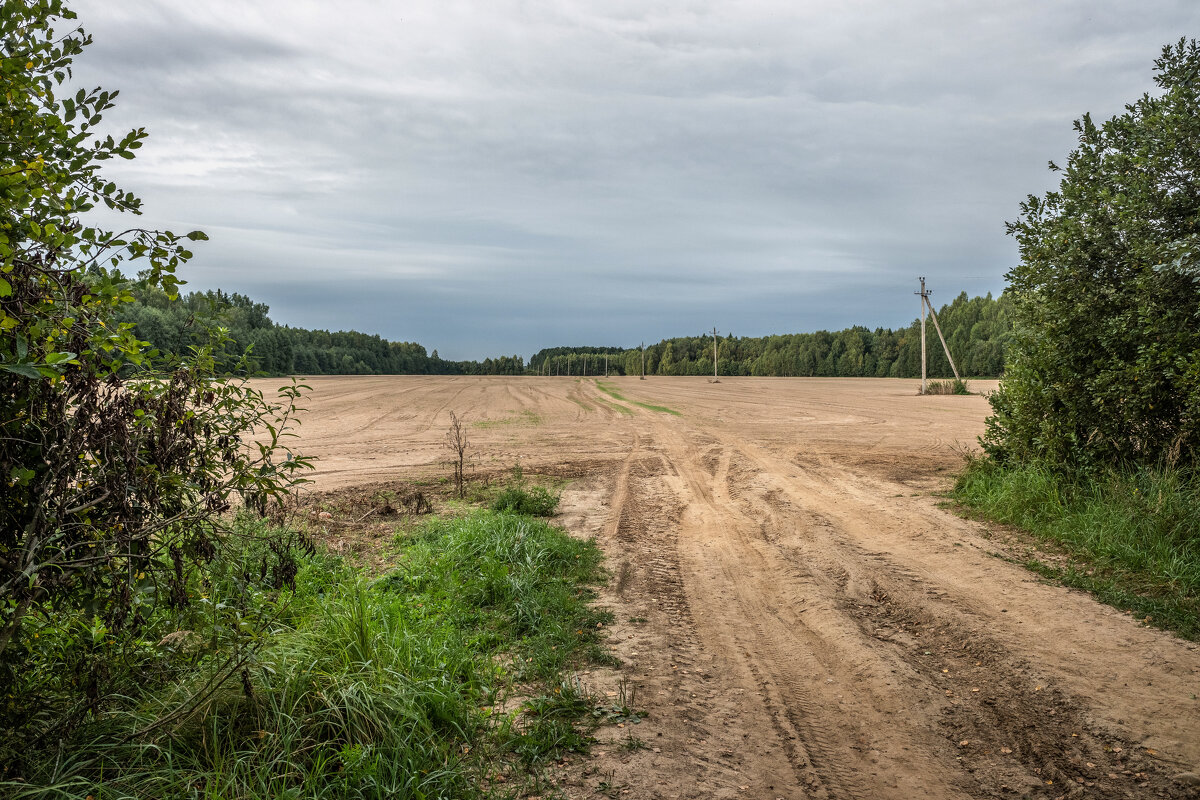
{"points": [[796, 611]]}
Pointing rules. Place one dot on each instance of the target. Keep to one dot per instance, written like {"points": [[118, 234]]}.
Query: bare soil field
{"points": [[796, 611]]}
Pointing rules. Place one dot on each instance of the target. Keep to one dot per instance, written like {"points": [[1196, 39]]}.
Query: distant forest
{"points": [[976, 329]]}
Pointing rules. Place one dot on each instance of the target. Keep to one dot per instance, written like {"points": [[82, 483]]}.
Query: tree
{"points": [[115, 473], [1104, 367]]}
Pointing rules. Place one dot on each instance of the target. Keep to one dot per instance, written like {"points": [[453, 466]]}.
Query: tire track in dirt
{"points": [[773, 616], [799, 621], [1007, 729]]}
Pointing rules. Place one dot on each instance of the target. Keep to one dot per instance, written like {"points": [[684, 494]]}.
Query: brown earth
{"points": [[796, 612]]}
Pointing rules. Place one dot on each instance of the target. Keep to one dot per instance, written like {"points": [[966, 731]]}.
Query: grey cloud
{"points": [[493, 178]]}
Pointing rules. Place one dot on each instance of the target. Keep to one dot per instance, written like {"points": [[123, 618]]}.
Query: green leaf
{"points": [[27, 370], [5, 288]]}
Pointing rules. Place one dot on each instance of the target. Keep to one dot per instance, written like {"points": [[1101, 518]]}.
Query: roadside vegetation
{"points": [[1130, 537], [167, 628], [447, 674], [1095, 428]]}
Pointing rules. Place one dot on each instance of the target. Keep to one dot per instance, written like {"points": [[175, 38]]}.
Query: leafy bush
{"points": [[536, 501], [1104, 367], [391, 688], [118, 469]]}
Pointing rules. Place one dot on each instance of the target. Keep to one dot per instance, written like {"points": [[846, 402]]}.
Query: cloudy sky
{"points": [[495, 176]]}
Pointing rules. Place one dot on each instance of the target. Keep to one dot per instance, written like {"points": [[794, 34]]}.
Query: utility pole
{"points": [[924, 299], [568, 365], [606, 365], [715, 378], [643, 361], [585, 360], [925, 303]]}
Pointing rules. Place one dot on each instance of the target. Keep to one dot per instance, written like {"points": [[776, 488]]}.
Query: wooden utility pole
{"points": [[585, 360], [568, 365], [606, 365], [643, 361], [715, 378], [925, 303], [924, 299]]}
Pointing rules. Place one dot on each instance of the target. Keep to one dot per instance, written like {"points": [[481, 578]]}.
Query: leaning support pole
{"points": [[938, 328]]}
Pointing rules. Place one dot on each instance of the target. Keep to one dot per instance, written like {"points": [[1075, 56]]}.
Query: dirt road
{"points": [[796, 612]]}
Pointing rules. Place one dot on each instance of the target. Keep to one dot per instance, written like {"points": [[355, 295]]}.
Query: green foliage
{"points": [[536, 501], [1131, 535], [251, 339], [1105, 364], [390, 688], [976, 330], [955, 386], [116, 473]]}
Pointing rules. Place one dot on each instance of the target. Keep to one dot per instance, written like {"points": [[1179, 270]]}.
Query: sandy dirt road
{"points": [[795, 610]]}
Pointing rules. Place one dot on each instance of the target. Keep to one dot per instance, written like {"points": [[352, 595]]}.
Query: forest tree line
{"points": [[976, 330]]}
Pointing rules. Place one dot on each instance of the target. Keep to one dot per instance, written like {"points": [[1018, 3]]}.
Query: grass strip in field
{"points": [[620, 409], [612, 392], [525, 417], [429, 681], [1132, 539]]}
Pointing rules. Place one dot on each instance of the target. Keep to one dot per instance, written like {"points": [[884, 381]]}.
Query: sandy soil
{"points": [[795, 610]]}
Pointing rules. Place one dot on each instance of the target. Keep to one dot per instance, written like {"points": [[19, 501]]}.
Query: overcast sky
{"points": [[496, 176]]}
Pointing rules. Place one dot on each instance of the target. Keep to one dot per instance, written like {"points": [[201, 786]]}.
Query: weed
{"points": [[632, 744], [535, 502], [955, 386], [608, 786], [621, 709]]}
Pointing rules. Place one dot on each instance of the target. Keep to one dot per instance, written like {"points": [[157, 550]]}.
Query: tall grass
{"points": [[1132, 538], [955, 386], [398, 687]]}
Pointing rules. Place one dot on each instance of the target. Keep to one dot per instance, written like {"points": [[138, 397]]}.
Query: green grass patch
{"points": [[425, 682], [609, 390], [536, 501], [579, 403], [620, 409], [1130, 538], [525, 417]]}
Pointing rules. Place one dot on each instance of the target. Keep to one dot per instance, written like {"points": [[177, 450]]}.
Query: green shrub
{"points": [[1104, 367], [534, 502]]}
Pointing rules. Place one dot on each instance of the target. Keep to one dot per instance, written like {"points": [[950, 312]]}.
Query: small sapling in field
{"points": [[457, 443]]}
